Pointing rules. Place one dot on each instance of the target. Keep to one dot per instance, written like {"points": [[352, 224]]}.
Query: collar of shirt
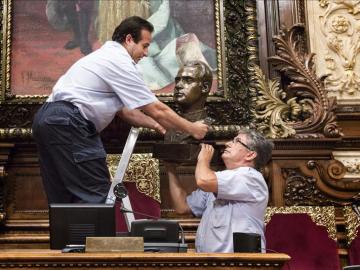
{"points": [[122, 49]]}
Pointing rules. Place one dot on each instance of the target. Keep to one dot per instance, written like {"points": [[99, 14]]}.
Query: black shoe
{"points": [[72, 44], [85, 48]]}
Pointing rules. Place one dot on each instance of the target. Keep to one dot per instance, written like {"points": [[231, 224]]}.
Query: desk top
{"points": [[43, 258]]}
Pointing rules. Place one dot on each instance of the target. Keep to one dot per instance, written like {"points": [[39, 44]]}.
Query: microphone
{"points": [[125, 210]]}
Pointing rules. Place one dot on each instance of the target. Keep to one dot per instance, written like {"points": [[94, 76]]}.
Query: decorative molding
{"points": [[5, 150], [301, 189], [143, 170], [17, 116], [352, 223], [321, 216], [334, 31], [318, 182], [15, 133], [190, 260], [331, 176], [315, 116], [241, 53], [305, 144], [351, 161]]}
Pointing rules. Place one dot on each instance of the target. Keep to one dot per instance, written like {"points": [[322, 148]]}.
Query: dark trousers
{"points": [[71, 155]]}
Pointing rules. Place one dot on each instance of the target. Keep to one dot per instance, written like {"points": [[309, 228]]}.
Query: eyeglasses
{"points": [[237, 140]]}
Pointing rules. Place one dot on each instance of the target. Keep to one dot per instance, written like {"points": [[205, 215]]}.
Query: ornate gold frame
{"points": [[236, 39]]}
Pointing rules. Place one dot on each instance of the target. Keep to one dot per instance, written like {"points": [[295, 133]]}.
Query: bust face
{"points": [[188, 87]]}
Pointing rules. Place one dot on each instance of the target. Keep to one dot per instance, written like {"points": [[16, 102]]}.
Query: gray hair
{"points": [[258, 143]]}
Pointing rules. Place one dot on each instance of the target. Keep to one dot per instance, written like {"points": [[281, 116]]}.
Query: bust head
{"points": [[192, 86]]}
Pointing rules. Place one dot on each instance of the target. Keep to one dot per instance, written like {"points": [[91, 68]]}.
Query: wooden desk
{"points": [[47, 259]]}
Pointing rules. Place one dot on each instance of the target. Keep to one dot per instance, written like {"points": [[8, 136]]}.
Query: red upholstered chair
{"points": [[142, 180], [352, 228], [307, 234]]}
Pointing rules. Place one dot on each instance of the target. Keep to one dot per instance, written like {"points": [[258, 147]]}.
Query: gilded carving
{"points": [[352, 223], [321, 216], [241, 53], [335, 37], [13, 133], [301, 189], [313, 113], [143, 170], [272, 111]]}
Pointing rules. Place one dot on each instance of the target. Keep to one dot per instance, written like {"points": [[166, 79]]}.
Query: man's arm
{"points": [[137, 118], [177, 192], [205, 177], [171, 120]]}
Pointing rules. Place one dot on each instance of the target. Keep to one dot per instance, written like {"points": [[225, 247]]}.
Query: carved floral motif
{"points": [[340, 27], [301, 189], [272, 111], [312, 112]]}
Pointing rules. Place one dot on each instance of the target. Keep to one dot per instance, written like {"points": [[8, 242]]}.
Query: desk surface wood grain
{"points": [[50, 259]]}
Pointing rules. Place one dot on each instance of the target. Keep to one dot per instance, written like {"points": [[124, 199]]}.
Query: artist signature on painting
{"points": [[42, 81]]}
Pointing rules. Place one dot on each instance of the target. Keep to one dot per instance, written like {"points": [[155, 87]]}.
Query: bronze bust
{"points": [[192, 86]]}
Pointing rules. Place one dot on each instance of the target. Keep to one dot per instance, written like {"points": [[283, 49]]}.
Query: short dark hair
{"points": [[260, 145], [133, 26], [203, 70]]}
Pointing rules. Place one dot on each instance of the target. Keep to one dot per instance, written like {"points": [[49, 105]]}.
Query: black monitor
{"points": [[70, 224]]}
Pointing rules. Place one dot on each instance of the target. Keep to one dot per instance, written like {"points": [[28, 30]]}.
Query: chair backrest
{"points": [[352, 230], [142, 180], [307, 234]]}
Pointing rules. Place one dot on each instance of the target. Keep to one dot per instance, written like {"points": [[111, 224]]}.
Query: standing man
{"points": [[84, 101], [233, 200]]}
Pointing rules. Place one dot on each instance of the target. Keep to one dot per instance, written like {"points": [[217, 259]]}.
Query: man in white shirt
{"points": [[84, 101], [228, 201]]}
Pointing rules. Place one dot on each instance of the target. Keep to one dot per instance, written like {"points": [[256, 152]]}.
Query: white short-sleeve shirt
{"points": [[239, 206], [102, 83]]}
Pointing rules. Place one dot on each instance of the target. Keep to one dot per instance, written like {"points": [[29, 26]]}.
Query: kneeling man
{"points": [[232, 200]]}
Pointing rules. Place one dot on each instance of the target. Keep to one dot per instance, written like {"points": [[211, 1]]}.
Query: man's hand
{"points": [[159, 128], [204, 175], [199, 130], [206, 153]]}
